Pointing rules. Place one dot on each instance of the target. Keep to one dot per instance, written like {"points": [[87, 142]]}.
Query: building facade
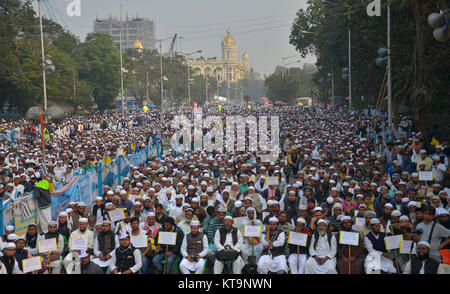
{"points": [[134, 31], [230, 69]]}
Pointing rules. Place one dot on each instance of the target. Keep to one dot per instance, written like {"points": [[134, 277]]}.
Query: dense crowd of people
{"points": [[335, 175]]}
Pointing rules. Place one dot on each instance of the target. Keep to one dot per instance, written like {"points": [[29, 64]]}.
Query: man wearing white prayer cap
{"points": [[194, 250], [87, 267], [422, 263], [273, 258], [55, 256], [126, 259], [298, 254], [322, 251], [378, 258], [81, 233], [8, 263], [228, 242]]}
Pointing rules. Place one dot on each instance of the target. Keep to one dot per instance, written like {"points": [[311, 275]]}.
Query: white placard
{"points": [[237, 220], [132, 198], [119, 151], [297, 238], [31, 264], [393, 242], [272, 181], [116, 215], [349, 238], [405, 247], [47, 245], [252, 231], [79, 244], [139, 241], [425, 176], [167, 238], [102, 263], [360, 222]]}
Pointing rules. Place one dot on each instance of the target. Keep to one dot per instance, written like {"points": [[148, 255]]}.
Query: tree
{"points": [[100, 66]]}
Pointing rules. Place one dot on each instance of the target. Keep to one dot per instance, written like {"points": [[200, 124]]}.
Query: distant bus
{"points": [[306, 101]]}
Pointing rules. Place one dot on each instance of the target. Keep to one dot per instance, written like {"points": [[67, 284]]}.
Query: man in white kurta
{"points": [[81, 233], [193, 258], [228, 245], [251, 246], [322, 258], [273, 258]]}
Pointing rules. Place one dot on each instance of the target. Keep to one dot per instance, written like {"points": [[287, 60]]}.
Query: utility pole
{"points": [[228, 89], [147, 89], [74, 92], [349, 63], [43, 58], [389, 64], [121, 61], [161, 79], [206, 86], [189, 84]]}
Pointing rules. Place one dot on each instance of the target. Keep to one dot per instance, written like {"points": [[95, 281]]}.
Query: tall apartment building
{"points": [[134, 31]]}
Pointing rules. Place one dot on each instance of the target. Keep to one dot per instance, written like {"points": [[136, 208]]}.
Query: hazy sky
{"points": [[260, 27]]}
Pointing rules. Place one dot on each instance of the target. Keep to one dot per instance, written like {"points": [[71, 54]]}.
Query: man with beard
{"points": [[8, 262], [21, 252], [104, 244], [55, 256], [172, 251], [125, 259], [273, 257], [376, 246], [87, 267], [322, 251], [194, 249], [81, 233], [228, 242], [348, 255], [31, 239], [422, 263], [290, 205], [297, 253]]}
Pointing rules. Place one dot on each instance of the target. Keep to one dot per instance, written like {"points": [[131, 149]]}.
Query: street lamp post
{"points": [[283, 59], [161, 69], [389, 85], [189, 72], [298, 61], [43, 58], [121, 61]]}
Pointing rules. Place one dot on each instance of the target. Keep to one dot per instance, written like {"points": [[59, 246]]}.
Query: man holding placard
{"points": [[54, 252], [194, 249], [298, 245], [252, 245], [75, 242], [378, 258], [166, 251], [273, 258], [349, 250], [125, 259]]}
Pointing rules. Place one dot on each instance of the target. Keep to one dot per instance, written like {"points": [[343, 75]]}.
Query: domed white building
{"points": [[230, 69]]}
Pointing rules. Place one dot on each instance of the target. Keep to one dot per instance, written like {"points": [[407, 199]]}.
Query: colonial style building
{"points": [[230, 69]]}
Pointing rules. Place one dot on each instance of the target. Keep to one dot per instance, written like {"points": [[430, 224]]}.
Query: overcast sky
{"points": [[260, 27]]}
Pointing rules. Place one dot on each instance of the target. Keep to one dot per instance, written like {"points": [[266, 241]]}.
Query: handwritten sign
{"points": [[349, 238], [79, 244], [425, 176], [167, 238], [393, 242], [139, 241], [252, 231], [31, 264], [116, 215], [237, 220], [47, 245], [297, 238], [407, 247], [272, 181], [360, 222]]}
